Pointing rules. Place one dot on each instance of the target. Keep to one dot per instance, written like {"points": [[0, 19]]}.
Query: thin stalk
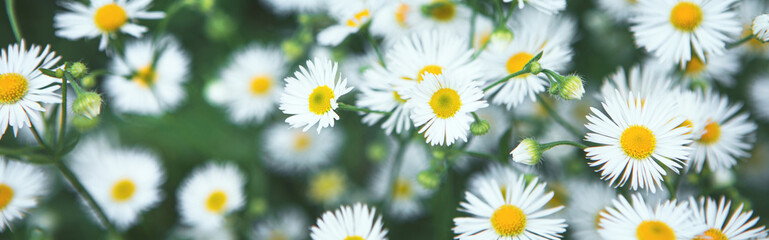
{"points": [[740, 42], [518, 73], [346, 107], [479, 155], [547, 146], [558, 118], [63, 122], [80, 189], [38, 138], [371, 40], [12, 19]]}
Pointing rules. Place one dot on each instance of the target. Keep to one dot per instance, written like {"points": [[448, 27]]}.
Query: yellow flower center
{"points": [[13, 87], [401, 13], [434, 69], [6, 195], [354, 238], [402, 189], [445, 103], [216, 201], [123, 190], [358, 18], [638, 142], [712, 133], [694, 66], [326, 186], [261, 85], [517, 62], [110, 17], [508, 221], [302, 142], [654, 230], [686, 16], [398, 97], [443, 10], [145, 76], [320, 100], [712, 234]]}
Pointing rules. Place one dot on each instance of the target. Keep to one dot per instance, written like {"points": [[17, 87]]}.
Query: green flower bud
{"points": [[376, 152], [293, 49], [502, 35], [535, 68], [572, 88], [83, 124], [88, 81], [527, 152], [479, 128], [78, 70], [87, 104], [258, 207], [59, 73], [429, 179]]}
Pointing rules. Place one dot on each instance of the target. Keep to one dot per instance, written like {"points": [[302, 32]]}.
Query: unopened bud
{"points": [[479, 128], [502, 35], [87, 104], [78, 70], [83, 124], [88, 81], [572, 88], [535, 68], [527, 152], [59, 73], [428, 179], [292, 49], [258, 207]]}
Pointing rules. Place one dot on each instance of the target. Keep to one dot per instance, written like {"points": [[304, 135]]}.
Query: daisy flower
{"points": [[349, 223], [761, 27], [289, 150], [441, 15], [249, 87], [288, 224], [647, 81], [484, 28], [668, 220], [635, 138], [671, 29], [545, 6], [719, 68], [407, 193], [724, 135], [586, 204], [518, 214], [378, 93], [21, 186], [442, 104], [310, 97], [209, 193], [327, 187], [23, 87], [620, 10], [392, 20], [749, 11], [535, 32], [351, 15], [758, 90], [104, 19], [714, 216], [296, 6], [124, 182], [502, 174], [148, 80]]}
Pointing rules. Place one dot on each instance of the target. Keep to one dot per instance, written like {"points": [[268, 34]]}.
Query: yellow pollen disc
{"points": [[508, 221], [358, 18], [302, 142], [326, 186], [712, 234], [517, 62], [434, 69], [638, 142], [712, 133], [110, 17], [261, 85], [402, 189], [6, 195], [354, 238], [216, 201], [123, 190], [654, 230], [320, 100], [13, 87], [145, 76], [401, 13], [694, 66], [445, 103], [398, 97], [443, 12], [686, 16]]}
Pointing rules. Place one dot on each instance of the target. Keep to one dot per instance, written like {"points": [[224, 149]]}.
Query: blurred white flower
{"points": [[21, 187], [586, 203], [349, 223], [289, 150], [351, 15], [297, 6], [761, 27], [406, 193], [287, 224], [209, 193], [545, 6], [327, 187]]}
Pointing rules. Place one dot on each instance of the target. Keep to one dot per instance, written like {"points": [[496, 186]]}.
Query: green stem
{"points": [[479, 155], [38, 138], [346, 107], [63, 122], [547, 146], [558, 118], [525, 70], [12, 19], [163, 25], [80, 189], [371, 40], [740, 42]]}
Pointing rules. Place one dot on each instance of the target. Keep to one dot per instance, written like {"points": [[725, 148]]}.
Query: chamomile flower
{"points": [[719, 68], [209, 193], [502, 174], [725, 135], [288, 224], [545, 6], [378, 93], [749, 11], [251, 84], [296, 6], [668, 220], [349, 223], [620, 10], [484, 28], [671, 29], [636, 138], [516, 214], [586, 203], [21, 186], [289, 150], [536, 32], [644, 82], [310, 97], [406, 192], [441, 105], [392, 20], [23, 87], [351, 15], [327, 187], [758, 91], [441, 15], [148, 79], [104, 19], [124, 182], [714, 215]]}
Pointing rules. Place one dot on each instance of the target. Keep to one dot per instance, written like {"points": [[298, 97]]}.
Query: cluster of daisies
{"points": [[448, 82]]}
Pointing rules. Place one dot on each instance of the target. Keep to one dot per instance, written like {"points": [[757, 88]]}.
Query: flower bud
{"points": [[535, 68], [502, 35], [59, 73], [761, 27], [479, 128], [258, 207], [87, 104], [89, 81], [428, 179], [527, 152], [83, 124], [292, 49], [572, 88], [377, 152], [78, 70]]}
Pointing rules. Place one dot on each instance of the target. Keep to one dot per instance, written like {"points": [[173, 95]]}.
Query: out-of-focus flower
{"points": [[586, 203], [327, 187], [407, 193], [761, 27], [21, 186], [290, 150], [288, 224], [545, 6], [350, 222], [209, 193]]}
